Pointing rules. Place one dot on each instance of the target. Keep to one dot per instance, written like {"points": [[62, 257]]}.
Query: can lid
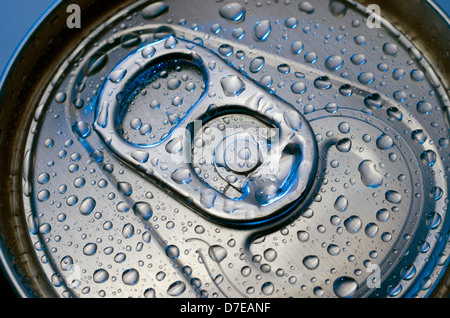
{"points": [[277, 149]]}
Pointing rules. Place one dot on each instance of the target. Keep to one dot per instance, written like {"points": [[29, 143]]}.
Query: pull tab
{"points": [[238, 155]]}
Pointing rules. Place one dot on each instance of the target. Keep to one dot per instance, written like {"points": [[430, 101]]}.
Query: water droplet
{"points": [[373, 100], [100, 276], [341, 203], [344, 145], [360, 39], [417, 75], [358, 59], [150, 293], [419, 136], [291, 22], [117, 75], [386, 237], [423, 246], [270, 254], [384, 142], [424, 107], [48, 143], [128, 230], [390, 49], [297, 47], [173, 83], [43, 195], [322, 82], [160, 276], [395, 113], [66, 263], [334, 62], [256, 64], [366, 77], [428, 158], [233, 12], [239, 34], [90, 249], [433, 220], [394, 290], [311, 262], [43, 178], [176, 288], [311, 57], [398, 73], [143, 209], [226, 50], [130, 40], [337, 8], [154, 10], [266, 193], [399, 96], [181, 176], [303, 236], [130, 277], [333, 249], [172, 252], [393, 196], [370, 177], [266, 81], [353, 224], [45, 228], [232, 85], [346, 90], [306, 7], [331, 107], [87, 206], [60, 97], [284, 68], [383, 67], [262, 30], [217, 253], [125, 188], [246, 271], [345, 287], [436, 193], [267, 288], [148, 51], [95, 64], [298, 88], [170, 42], [382, 215], [371, 230], [408, 272], [174, 146]]}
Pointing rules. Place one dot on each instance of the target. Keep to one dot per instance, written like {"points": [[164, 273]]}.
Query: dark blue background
{"points": [[16, 18]]}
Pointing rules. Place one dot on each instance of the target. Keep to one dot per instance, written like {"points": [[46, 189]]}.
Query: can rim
{"points": [[439, 11], [5, 265]]}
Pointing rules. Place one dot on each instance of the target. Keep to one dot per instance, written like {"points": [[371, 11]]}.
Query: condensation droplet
{"points": [[130, 277], [217, 253], [176, 288], [154, 10], [262, 30], [341, 203], [370, 177], [345, 287], [233, 12]]}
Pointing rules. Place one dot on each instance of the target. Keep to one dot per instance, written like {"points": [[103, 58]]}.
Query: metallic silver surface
{"points": [[361, 117]]}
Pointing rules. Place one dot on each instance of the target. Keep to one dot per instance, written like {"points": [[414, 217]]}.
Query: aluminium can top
{"points": [[234, 149]]}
